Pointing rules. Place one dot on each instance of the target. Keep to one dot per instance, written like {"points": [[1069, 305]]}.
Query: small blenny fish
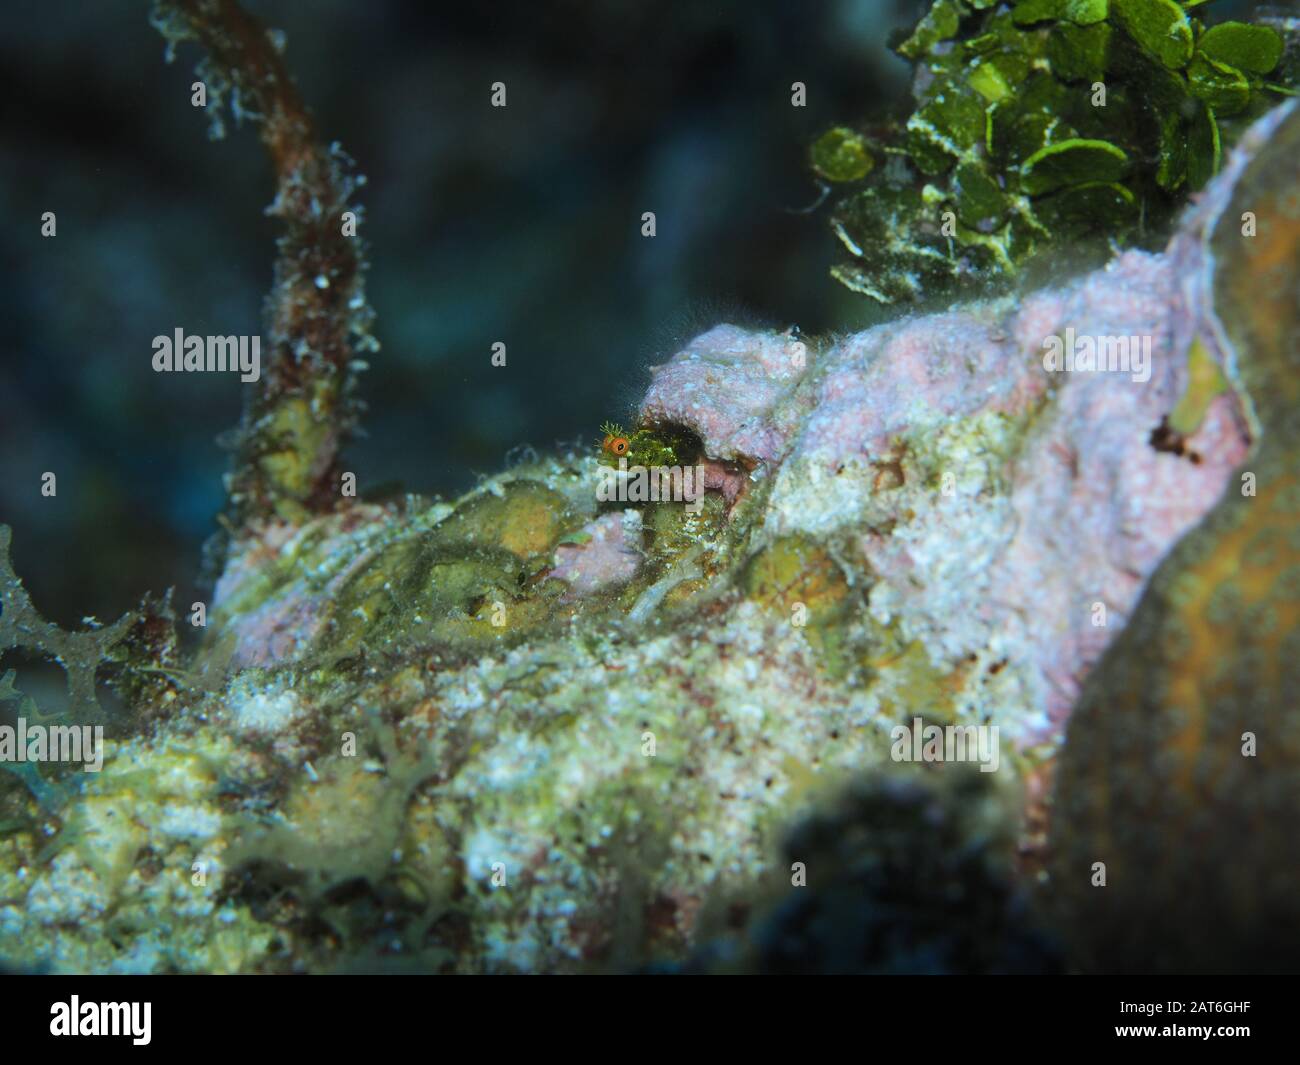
{"points": [[616, 441], [647, 446]]}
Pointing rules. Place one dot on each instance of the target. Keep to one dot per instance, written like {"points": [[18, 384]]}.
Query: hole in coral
{"points": [[685, 442]]}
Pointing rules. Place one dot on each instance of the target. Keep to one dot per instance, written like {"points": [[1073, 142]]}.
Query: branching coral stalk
{"points": [[317, 318], [79, 653]]}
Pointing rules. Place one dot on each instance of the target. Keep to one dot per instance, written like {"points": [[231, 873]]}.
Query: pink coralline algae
{"points": [[1004, 507], [285, 622], [732, 386], [1096, 506], [606, 555]]}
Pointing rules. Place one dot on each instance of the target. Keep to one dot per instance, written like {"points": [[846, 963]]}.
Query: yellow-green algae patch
{"points": [[130, 880], [1205, 381], [800, 579]]}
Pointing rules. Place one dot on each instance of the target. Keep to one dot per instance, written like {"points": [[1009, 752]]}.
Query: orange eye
{"points": [[618, 445]]}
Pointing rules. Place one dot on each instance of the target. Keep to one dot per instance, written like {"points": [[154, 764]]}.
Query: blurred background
{"points": [[519, 225]]}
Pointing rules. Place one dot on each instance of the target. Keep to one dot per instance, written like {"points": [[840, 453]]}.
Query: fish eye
{"points": [[620, 446]]}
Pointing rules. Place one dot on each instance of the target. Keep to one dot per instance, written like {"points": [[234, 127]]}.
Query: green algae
{"points": [[526, 519], [1255, 49], [1036, 127], [456, 578], [1205, 381], [801, 579], [1079, 12], [940, 23], [841, 154], [1079, 53], [1072, 162], [132, 876], [343, 823], [673, 529], [1160, 27], [1223, 88]]}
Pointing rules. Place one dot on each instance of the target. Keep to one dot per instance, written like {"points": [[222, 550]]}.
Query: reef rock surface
{"points": [[534, 729]]}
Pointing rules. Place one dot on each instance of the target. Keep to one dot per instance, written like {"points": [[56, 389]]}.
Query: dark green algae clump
{"points": [[1036, 124]]}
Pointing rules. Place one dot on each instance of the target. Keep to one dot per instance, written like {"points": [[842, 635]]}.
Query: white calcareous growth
{"points": [[267, 712]]}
